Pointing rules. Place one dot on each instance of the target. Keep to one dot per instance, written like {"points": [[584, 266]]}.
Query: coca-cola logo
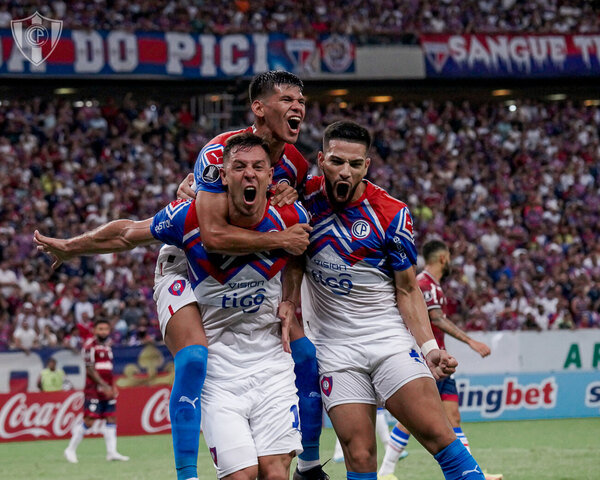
{"points": [[155, 416], [56, 419]]}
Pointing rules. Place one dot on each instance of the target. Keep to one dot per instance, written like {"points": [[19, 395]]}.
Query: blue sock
{"points": [[361, 476], [184, 408], [310, 406], [457, 463]]}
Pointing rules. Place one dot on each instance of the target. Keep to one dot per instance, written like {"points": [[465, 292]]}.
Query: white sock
{"points": [[381, 426], [462, 437], [338, 452], [77, 435], [110, 438], [395, 447], [304, 465]]}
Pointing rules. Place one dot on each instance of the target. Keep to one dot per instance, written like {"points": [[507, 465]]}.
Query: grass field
{"points": [[526, 450]]}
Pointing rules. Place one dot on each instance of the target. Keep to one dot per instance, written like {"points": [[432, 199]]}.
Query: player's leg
{"points": [[354, 424], [338, 453], [107, 411], [404, 381], [275, 467], [310, 405], [381, 426], [275, 422], [394, 450], [80, 430], [418, 406], [449, 396], [350, 400], [184, 336], [226, 428]]}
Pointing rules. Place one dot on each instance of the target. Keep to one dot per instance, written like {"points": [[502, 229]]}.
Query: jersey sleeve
{"points": [[433, 296], [207, 169], [168, 224], [399, 241]]}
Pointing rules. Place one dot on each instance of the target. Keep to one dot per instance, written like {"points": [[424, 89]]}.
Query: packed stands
{"points": [[515, 193], [372, 22]]}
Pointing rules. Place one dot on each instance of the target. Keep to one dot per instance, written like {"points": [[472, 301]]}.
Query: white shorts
{"points": [[171, 293], [366, 373], [250, 418]]}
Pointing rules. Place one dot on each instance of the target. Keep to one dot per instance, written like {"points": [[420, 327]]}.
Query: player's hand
{"points": [[480, 347], [107, 390], [185, 190], [284, 194], [441, 363], [55, 248], [286, 313], [295, 238]]}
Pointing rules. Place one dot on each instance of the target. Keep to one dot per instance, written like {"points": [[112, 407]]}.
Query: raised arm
{"points": [[413, 309], [439, 319], [218, 236], [112, 237]]}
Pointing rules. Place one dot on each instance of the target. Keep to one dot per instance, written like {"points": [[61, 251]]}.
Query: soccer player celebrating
{"points": [[437, 266], [278, 104], [366, 313], [250, 381], [100, 393]]}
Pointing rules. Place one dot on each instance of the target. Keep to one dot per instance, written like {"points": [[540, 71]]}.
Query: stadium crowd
{"points": [[516, 194], [374, 21]]}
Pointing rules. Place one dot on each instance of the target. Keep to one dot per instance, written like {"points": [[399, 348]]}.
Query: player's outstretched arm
{"points": [[413, 309], [112, 237], [439, 319], [218, 236]]}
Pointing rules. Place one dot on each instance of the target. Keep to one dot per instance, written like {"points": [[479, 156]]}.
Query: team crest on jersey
{"points": [[213, 454], [210, 173], [326, 385], [177, 288], [361, 229]]}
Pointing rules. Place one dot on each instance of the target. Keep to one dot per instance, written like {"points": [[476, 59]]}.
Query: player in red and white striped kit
{"points": [[100, 393]]}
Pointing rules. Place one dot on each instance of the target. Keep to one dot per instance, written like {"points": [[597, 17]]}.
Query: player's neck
{"points": [[246, 219], [436, 273], [276, 146]]}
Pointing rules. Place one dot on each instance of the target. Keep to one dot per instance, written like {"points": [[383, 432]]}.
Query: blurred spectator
{"points": [[47, 337], [25, 337], [52, 377]]}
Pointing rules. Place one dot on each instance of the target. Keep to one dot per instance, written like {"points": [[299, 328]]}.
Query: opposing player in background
{"points": [[437, 265], [362, 302], [249, 386], [100, 393]]}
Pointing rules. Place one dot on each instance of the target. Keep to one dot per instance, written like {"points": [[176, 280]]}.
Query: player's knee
{"points": [[362, 456], [276, 471], [191, 361], [303, 350]]}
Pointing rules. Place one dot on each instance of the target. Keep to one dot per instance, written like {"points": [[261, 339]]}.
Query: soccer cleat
{"points": [[404, 454], [389, 476], [116, 456], [71, 456], [493, 476], [315, 473]]}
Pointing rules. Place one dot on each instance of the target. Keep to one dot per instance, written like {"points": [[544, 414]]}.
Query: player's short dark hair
{"points": [[100, 320], [264, 83], [346, 130], [431, 247], [243, 141]]}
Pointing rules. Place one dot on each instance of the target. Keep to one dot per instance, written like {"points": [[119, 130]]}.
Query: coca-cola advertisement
{"points": [[51, 415], [143, 376]]}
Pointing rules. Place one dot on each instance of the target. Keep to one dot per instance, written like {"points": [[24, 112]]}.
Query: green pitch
{"points": [[523, 450]]}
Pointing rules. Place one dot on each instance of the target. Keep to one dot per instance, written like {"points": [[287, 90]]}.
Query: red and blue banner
{"points": [[176, 55], [511, 55]]}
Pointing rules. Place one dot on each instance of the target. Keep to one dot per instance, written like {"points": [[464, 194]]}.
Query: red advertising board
{"points": [[52, 415]]}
